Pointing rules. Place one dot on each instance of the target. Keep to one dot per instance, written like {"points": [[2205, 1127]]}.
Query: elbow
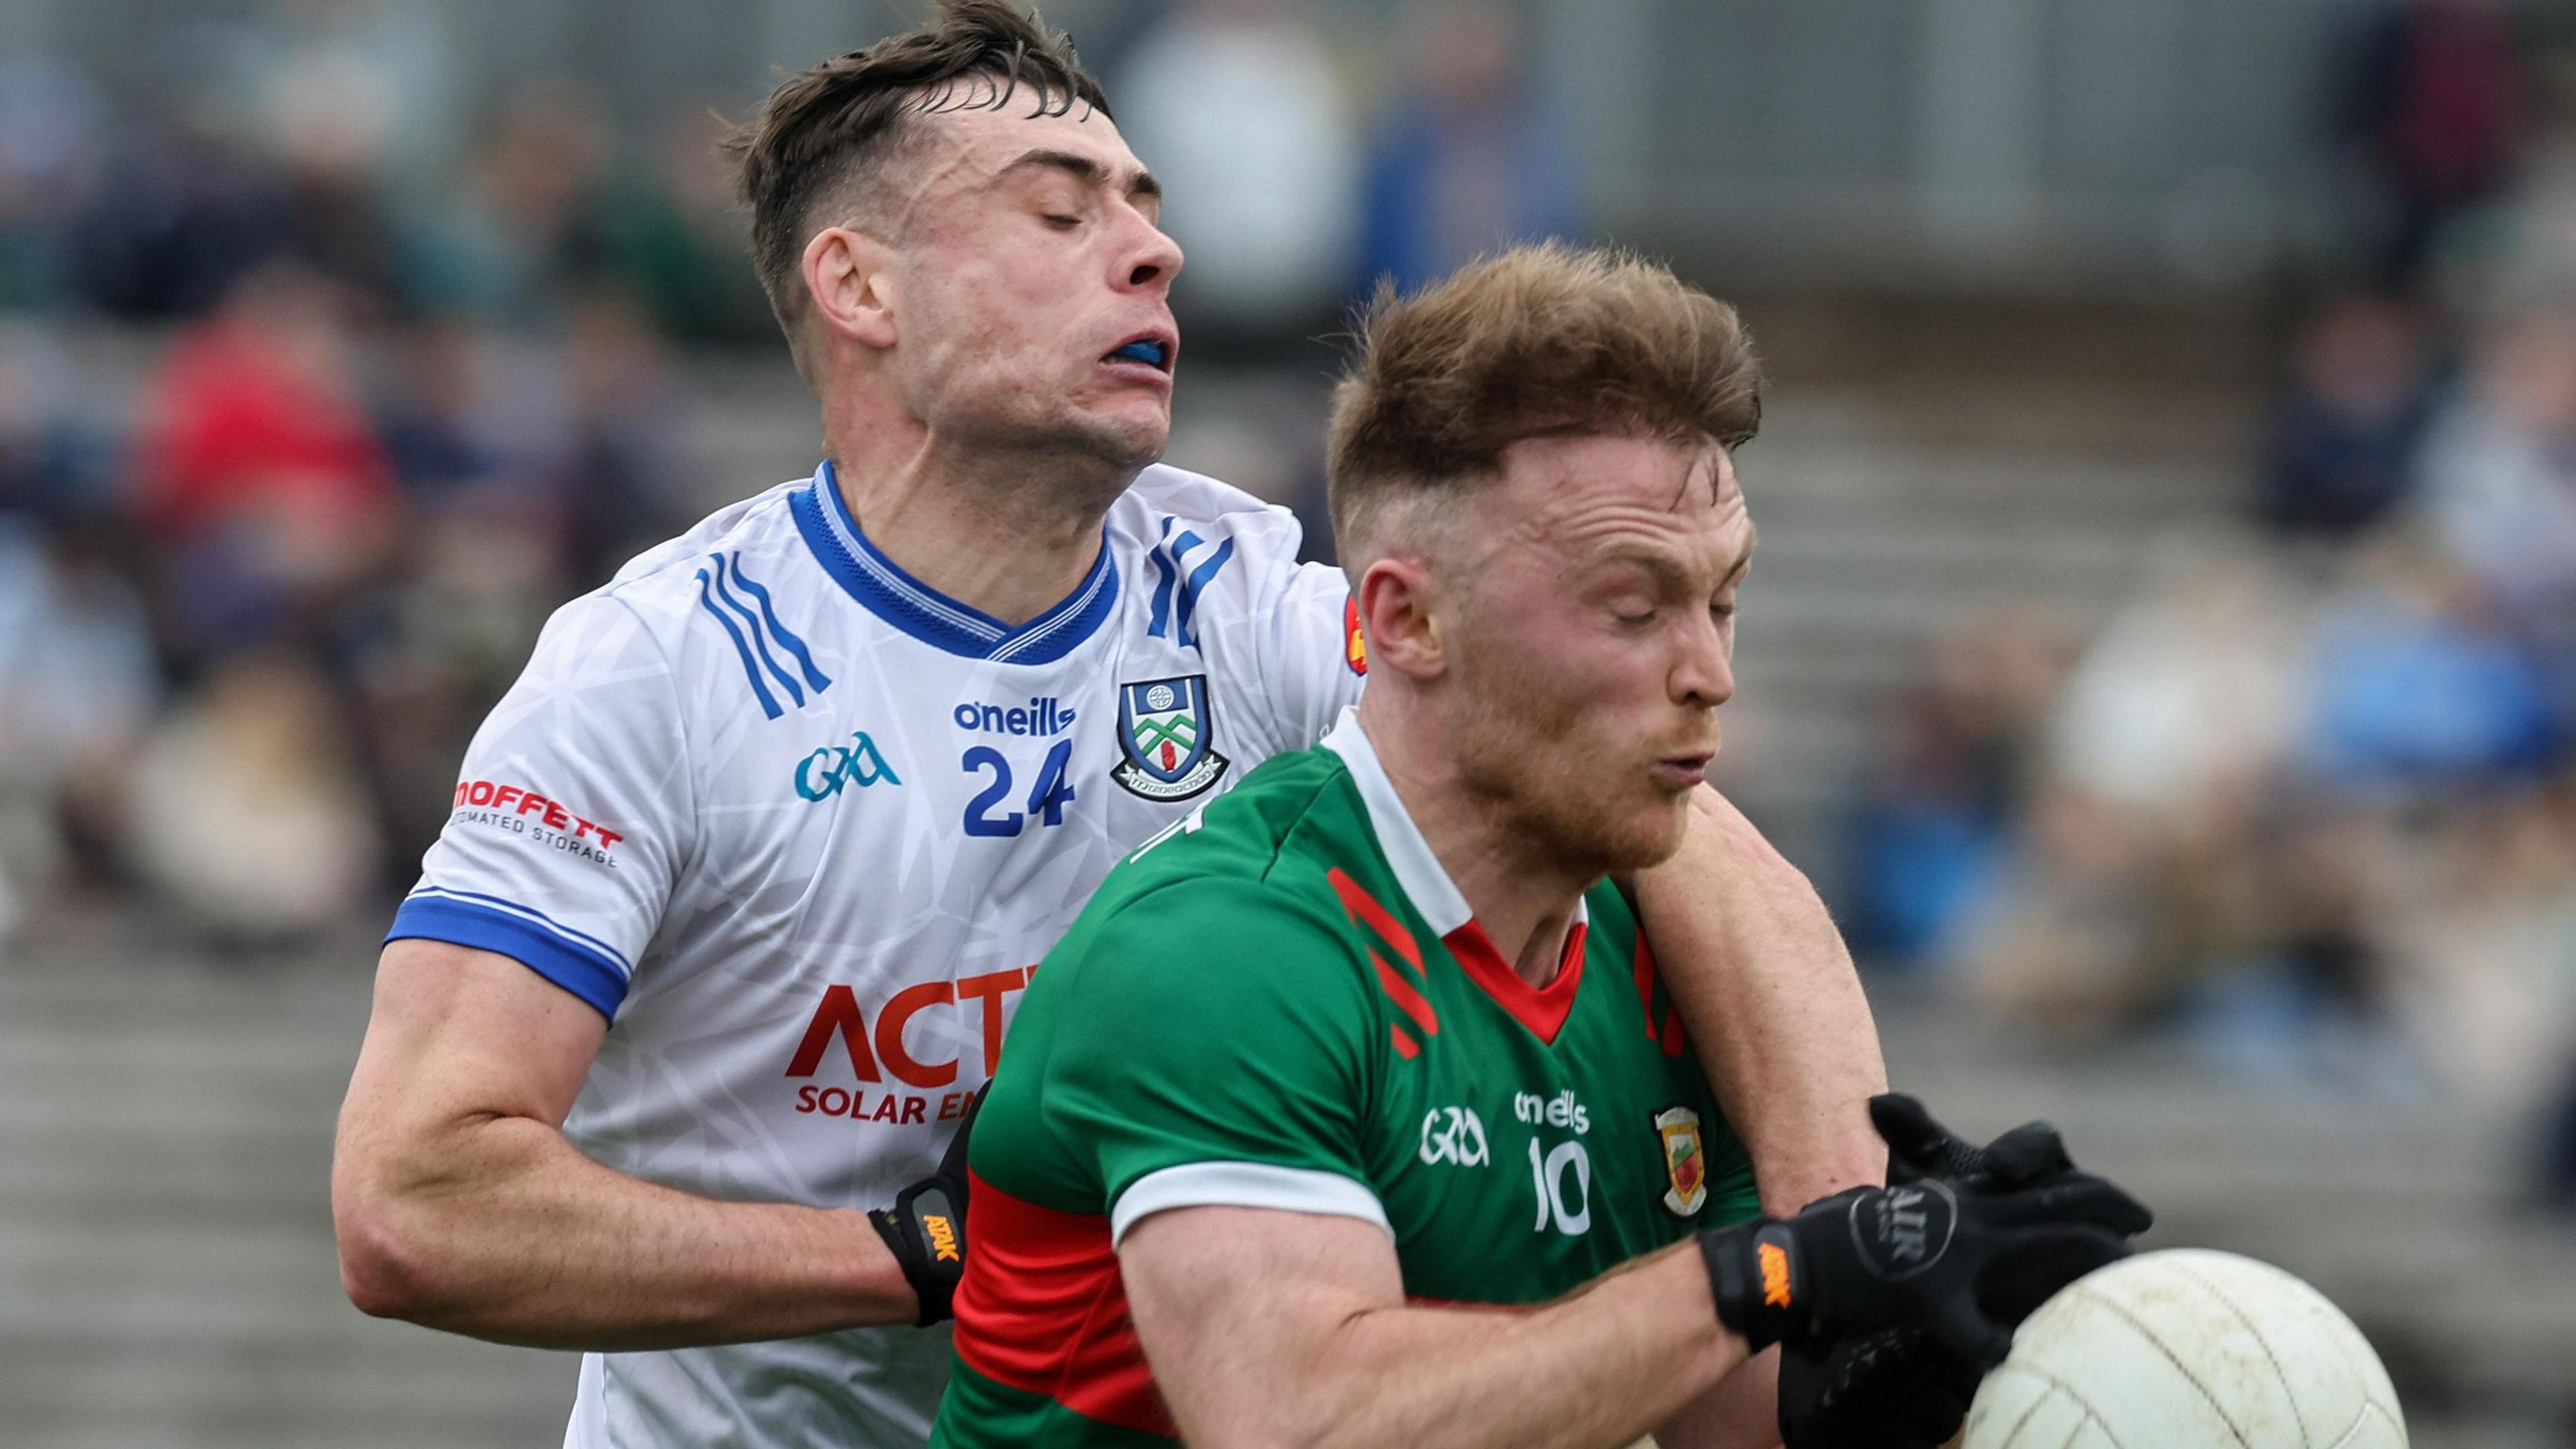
{"points": [[388, 1262]]}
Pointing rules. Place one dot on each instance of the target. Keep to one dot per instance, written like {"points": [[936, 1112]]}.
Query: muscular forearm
{"points": [[1766, 988], [1593, 1371], [504, 1231], [460, 1204]]}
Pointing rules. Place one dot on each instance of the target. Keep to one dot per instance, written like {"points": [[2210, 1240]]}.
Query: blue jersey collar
{"points": [[932, 617]]}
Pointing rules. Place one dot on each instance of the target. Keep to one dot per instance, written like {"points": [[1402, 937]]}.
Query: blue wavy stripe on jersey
{"points": [[1190, 588], [750, 667], [785, 636], [1159, 623], [1176, 598], [759, 638]]}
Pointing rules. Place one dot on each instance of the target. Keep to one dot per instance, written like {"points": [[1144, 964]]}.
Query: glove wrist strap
{"points": [[934, 1281], [1755, 1278]]}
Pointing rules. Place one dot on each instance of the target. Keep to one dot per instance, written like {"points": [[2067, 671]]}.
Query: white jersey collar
{"points": [[1416, 869]]}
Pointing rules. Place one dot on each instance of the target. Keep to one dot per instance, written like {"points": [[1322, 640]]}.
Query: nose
{"points": [[1151, 259], [1703, 675]]}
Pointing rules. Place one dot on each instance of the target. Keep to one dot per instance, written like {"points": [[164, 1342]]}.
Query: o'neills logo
{"points": [[875, 1050], [543, 821]]}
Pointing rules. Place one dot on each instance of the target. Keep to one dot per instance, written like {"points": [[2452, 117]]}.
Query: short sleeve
{"points": [[1211, 1055], [570, 814], [1314, 662]]}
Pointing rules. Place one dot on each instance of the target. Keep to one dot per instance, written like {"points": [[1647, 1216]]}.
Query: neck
{"points": [[1009, 533], [1523, 899]]}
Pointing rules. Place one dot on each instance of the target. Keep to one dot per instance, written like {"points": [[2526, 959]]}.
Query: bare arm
{"points": [[1742, 1412], [1768, 993], [460, 1205], [1270, 1328]]}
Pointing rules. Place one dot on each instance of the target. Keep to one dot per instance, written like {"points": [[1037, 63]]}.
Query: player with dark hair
{"points": [[745, 876], [1279, 1205]]}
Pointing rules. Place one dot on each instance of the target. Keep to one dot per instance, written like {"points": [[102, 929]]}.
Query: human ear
{"points": [[848, 277], [1398, 608]]}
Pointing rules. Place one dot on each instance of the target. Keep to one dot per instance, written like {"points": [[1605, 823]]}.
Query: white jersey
{"points": [[800, 826]]}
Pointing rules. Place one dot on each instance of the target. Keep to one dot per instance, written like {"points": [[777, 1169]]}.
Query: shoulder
{"points": [[1195, 969], [757, 536], [1166, 503], [1244, 868], [1164, 489], [732, 598], [1266, 829]]}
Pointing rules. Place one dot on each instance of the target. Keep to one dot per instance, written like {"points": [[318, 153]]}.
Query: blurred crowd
{"points": [[323, 380], [325, 377], [2311, 797]]}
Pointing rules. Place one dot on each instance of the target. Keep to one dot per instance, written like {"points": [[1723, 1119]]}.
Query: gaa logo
{"points": [[1453, 1134], [822, 774]]}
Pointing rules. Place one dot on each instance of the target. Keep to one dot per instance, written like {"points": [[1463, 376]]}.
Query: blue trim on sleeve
{"points": [[561, 955]]}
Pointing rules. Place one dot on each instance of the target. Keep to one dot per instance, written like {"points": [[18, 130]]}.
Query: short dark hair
{"points": [[1539, 341], [818, 134]]}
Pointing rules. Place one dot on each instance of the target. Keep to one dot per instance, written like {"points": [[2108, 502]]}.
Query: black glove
{"points": [[1898, 1389], [926, 1227], [1919, 1147], [1931, 1254], [1891, 1390]]}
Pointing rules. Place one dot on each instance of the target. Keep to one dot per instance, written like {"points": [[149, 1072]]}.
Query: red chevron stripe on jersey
{"points": [[1047, 1314]]}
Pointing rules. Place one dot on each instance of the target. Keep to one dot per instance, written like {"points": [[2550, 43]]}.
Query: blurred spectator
{"points": [[502, 245], [2481, 923], [2499, 470], [50, 120], [259, 475], [1469, 159], [673, 236], [2433, 102], [426, 417], [174, 221], [77, 676], [327, 114], [1937, 819], [77, 687], [615, 480], [1235, 105], [2342, 445], [2134, 870], [2416, 687], [247, 808]]}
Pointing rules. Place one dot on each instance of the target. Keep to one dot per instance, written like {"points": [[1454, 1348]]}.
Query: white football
{"points": [[2183, 1349]]}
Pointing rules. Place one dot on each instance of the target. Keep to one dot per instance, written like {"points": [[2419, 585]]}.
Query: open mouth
{"points": [[1152, 351]]}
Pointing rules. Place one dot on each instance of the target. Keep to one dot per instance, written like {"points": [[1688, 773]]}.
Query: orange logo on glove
{"points": [[1775, 1274]]}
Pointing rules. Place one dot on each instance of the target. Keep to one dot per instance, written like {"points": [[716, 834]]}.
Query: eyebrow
{"points": [[1743, 558], [1085, 170], [1661, 564]]}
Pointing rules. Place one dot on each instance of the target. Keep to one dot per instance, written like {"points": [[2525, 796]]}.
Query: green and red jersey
{"points": [[1285, 1003]]}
